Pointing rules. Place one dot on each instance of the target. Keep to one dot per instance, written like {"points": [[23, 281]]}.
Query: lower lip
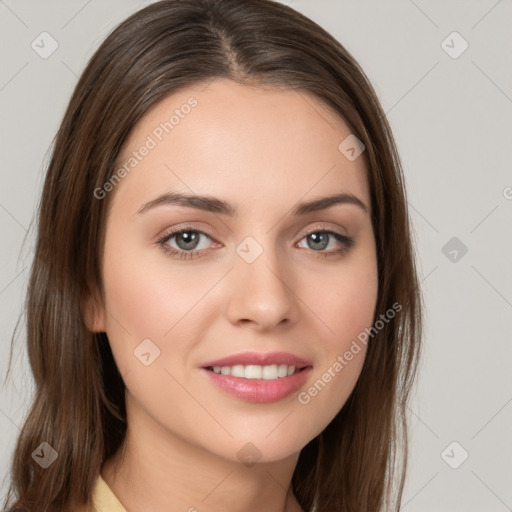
{"points": [[259, 390]]}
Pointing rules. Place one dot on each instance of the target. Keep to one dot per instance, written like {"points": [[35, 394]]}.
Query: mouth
{"points": [[258, 384], [258, 377]]}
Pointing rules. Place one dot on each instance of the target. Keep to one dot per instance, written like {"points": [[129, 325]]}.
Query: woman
{"points": [[223, 311]]}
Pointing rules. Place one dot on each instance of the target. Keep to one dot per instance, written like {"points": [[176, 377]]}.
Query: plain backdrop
{"points": [[450, 109]]}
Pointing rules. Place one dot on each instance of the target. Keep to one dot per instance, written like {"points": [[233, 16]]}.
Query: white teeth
{"points": [[253, 371], [270, 372], [238, 370]]}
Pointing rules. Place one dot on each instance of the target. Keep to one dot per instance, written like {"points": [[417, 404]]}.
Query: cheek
{"points": [[350, 306], [143, 300], [345, 303], [145, 292], [345, 300]]}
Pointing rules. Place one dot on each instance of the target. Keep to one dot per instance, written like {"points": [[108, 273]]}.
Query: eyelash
{"points": [[187, 255]]}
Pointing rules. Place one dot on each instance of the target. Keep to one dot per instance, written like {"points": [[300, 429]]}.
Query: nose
{"points": [[261, 292]]}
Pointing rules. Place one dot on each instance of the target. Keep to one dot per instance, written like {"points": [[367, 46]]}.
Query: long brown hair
{"points": [[359, 461]]}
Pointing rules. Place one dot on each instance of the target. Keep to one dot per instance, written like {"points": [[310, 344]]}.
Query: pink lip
{"points": [[259, 390], [246, 358]]}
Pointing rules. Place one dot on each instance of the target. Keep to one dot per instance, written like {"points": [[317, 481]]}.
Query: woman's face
{"points": [[254, 270]]}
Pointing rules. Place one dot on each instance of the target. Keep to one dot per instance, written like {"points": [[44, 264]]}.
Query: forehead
{"points": [[239, 141]]}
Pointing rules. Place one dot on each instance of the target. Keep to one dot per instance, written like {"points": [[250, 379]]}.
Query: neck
{"points": [[155, 470]]}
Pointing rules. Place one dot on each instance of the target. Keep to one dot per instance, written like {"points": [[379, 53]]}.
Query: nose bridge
{"points": [[261, 288]]}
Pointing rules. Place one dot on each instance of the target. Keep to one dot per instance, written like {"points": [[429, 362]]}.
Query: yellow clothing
{"points": [[104, 499]]}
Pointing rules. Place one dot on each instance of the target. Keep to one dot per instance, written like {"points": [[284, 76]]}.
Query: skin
{"points": [[261, 150]]}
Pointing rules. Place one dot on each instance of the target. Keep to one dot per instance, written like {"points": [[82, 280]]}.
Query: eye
{"points": [[188, 243], [320, 240]]}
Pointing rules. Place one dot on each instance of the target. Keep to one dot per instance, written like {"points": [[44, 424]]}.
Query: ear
{"points": [[94, 313]]}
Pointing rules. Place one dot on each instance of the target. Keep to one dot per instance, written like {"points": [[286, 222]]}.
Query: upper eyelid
{"points": [[174, 232]]}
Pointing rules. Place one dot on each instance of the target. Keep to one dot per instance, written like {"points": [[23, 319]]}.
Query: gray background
{"points": [[451, 118]]}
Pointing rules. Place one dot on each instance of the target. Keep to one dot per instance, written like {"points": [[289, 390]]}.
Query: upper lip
{"points": [[256, 358]]}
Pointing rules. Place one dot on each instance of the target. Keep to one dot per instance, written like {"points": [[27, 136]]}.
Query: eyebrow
{"points": [[215, 205]]}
